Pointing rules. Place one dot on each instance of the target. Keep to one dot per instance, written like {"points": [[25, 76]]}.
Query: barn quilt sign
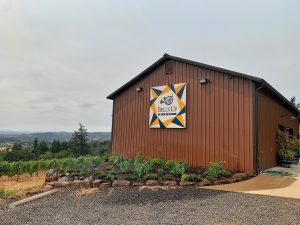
{"points": [[168, 106]]}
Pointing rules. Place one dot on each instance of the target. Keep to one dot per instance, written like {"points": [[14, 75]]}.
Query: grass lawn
{"points": [[26, 183]]}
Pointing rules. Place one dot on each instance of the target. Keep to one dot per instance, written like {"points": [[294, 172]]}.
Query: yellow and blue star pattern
{"points": [[168, 106]]}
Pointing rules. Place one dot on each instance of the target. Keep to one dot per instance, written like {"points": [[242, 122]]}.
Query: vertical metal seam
{"points": [[255, 127]]}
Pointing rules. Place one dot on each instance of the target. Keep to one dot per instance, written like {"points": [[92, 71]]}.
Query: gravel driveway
{"points": [[176, 206]]}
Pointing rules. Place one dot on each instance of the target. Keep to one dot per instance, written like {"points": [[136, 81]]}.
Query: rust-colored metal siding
{"points": [[271, 113], [219, 119]]}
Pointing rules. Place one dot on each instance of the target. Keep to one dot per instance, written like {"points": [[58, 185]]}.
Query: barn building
{"points": [[185, 110]]}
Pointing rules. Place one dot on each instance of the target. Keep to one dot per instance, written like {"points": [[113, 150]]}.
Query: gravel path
{"points": [[176, 206]]}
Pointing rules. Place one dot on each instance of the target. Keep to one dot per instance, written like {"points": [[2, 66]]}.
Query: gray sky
{"points": [[59, 59]]}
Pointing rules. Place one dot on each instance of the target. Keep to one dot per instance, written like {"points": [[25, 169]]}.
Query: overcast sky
{"points": [[59, 59]]}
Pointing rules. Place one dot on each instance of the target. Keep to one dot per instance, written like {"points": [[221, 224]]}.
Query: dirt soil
{"points": [[27, 185]]}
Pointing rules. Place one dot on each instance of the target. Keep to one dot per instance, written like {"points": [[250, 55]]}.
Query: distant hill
{"points": [[9, 136]]}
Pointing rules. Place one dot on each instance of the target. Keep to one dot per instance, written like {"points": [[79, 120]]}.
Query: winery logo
{"points": [[167, 100], [168, 106]]}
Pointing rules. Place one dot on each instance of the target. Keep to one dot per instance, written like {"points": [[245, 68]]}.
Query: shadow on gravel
{"points": [[128, 196]]}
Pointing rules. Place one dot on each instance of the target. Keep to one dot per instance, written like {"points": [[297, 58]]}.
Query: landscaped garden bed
{"points": [[107, 171], [287, 148]]}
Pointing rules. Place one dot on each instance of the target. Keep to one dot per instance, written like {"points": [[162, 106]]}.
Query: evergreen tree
{"points": [[16, 147], [293, 101], [18, 153], [55, 146], [35, 149], [43, 147], [64, 145], [79, 141]]}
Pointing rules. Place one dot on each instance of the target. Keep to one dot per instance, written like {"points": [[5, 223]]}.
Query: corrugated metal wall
{"points": [[271, 113], [219, 120]]}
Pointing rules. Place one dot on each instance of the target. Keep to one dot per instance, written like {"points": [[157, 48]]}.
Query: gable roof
{"points": [[167, 57]]}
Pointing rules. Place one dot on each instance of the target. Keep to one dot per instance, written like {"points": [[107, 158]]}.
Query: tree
{"points": [[19, 153], [293, 101], [97, 147], [64, 145], [16, 147], [35, 149], [43, 147], [55, 146], [79, 141]]}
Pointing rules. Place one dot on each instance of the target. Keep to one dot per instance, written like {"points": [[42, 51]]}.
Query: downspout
{"points": [[255, 152], [112, 126]]}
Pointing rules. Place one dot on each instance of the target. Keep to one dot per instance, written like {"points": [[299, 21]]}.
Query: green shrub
{"points": [[178, 168], [42, 164], [151, 176], [110, 167], [106, 157], [148, 165], [111, 176], [160, 170], [112, 172], [82, 164], [216, 170], [68, 164], [4, 168], [225, 173], [190, 177], [138, 159], [2, 156], [140, 170], [58, 155], [158, 162], [45, 164], [141, 167], [286, 145], [117, 159], [16, 168], [294, 144], [170, 164], [34, 167], [83, 169], [4, 194], [286, 154], [62, 155], [100, 176], [168, 177], [126, 166], [53, 164], [97, 161]]}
